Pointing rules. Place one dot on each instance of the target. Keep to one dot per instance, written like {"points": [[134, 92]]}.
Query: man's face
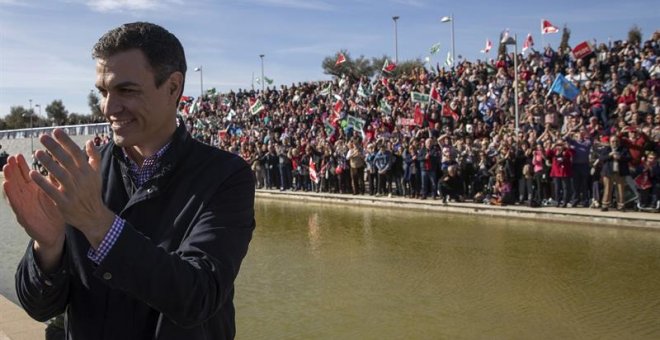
{"points": [[140, 114]]}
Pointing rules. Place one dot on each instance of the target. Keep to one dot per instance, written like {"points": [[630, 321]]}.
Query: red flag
{"points": [[489, 45], [340, 59], [435, 95], [384, 81], [529, 42], [448, 112], [338, 106], [333, 118], [388, 66], [419, 115], [312, 171], [547, 27]]}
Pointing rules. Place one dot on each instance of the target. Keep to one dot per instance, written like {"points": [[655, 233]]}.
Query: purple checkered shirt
{"points": [[139, 175]]}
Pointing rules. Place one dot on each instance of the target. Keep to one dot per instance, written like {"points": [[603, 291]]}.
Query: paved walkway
{"points": [[574, 215], [15, 324]]}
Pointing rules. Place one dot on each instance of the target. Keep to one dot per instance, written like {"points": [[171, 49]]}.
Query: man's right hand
{"points": [[34, 211]]}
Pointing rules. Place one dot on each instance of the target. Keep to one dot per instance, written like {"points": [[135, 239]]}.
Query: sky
{"points": [[45, 45]]}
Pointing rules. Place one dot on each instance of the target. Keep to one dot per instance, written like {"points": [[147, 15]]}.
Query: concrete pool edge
{"points": [[613, 218]]}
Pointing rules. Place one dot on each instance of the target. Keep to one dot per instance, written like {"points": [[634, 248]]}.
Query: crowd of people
{"points": [[452, 134]]}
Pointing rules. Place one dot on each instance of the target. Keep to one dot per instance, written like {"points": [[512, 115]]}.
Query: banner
{"points": [[582, 50], [256, 107], [356, 123], [418, 97], [406, 122]]}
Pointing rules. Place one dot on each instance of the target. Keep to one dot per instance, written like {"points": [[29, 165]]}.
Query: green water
{"points": [[336, 272]]}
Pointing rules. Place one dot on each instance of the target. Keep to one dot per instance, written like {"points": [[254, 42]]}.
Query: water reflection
{"points": [[326, 272]]}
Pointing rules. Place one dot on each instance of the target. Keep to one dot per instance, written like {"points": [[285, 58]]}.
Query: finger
{"points": [[93, 154], [51, 191], [23, 167], [57, 151], [56, 170], [11, 171], [11, 162], [53, 180], [70, 146]]}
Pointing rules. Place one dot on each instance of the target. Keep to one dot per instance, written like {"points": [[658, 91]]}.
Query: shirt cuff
{"points": [[97, 255]]}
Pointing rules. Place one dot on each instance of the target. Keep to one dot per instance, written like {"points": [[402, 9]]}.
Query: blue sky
{"points": [[45, 45]]}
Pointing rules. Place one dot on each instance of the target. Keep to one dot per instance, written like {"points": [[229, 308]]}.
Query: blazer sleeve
{"points": [[42, 295]]}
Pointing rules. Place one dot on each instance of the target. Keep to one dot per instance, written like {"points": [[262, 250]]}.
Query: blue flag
{"points": [[564, 87]]}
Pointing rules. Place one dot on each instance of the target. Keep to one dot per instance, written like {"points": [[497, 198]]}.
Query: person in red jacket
{"points": [[561, 171]]}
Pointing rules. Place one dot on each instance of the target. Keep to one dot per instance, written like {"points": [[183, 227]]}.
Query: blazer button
{"points": [[150, 190], [107, 276]]}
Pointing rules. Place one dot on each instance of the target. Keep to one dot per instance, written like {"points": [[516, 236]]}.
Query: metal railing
{"points": [[72, 130]]}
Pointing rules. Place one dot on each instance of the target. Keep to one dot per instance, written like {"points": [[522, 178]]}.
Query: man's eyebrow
{"points": [[120, 85]]}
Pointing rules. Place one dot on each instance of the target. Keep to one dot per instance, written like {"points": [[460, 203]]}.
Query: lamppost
{"points": [[396, 40], [31, 113], [508, 40], [39, 106], [262, 72], [201, 81], [446, 19]]}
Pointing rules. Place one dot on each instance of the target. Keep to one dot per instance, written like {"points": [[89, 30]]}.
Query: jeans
{"points": [[580, 183], [429, 177], [561, 185]]}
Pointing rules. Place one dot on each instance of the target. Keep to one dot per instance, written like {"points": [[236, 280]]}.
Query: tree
{"points": [[19, 118], [635, 36], [353, 68], [564, 48], [94, 104], [56, 112], [77, 119]]}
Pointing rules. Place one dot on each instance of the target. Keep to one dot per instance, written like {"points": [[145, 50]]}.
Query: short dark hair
{"points": [[162, 49]]}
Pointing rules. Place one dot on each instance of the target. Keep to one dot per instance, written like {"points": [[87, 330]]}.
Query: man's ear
{"points": [[175, 85]]}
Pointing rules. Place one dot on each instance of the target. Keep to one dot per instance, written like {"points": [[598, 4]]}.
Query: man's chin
{"points": [[120, 141]]}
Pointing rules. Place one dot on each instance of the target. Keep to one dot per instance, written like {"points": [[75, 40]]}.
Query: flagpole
{"points": [[515, 72], [542, 36], [262, 72], [396, 40], [453, 47], [252, 81]]}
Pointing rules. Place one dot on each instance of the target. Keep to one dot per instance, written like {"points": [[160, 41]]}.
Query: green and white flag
{"points": [[355, 122], [326, 91], [450, 60], [342, 81], [435, 48], [230, 115], [268, 80], [329, 129], [256, 107], [257, 80], [418, 97], [385, 107], [362, 92], [226, 101]]}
